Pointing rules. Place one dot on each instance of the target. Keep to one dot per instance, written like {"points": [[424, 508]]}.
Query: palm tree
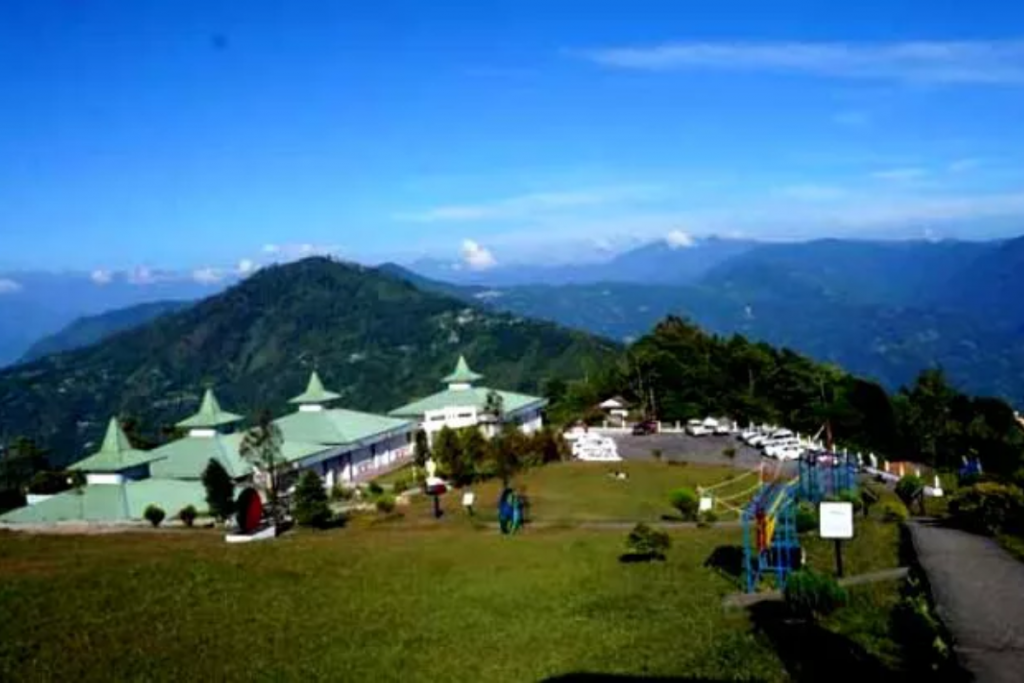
{"points": [[261, 446]]}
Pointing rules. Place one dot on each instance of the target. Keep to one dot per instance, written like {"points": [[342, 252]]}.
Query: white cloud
{"points": [[246, 267], [477, 257], [900, 175], [8, 286], [101, 277], [961, 165], [271, 248], [945, 62], [207, 276], [677, 239], [141, 275], [523, 206]]}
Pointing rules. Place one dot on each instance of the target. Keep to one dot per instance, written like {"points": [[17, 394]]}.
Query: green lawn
{"points": [[577, 491], [415, 601]]}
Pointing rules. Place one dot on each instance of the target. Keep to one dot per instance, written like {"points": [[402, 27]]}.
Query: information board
{"points": [[836, 520]]}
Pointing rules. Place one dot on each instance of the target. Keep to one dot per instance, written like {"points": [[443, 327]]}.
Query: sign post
{"points": [[835, 521]]}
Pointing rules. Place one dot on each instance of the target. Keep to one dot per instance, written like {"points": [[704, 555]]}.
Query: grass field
{"points": [[412, 602]]}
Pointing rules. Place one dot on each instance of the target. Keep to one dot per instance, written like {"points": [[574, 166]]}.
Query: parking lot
{"points": [[704, 450]]}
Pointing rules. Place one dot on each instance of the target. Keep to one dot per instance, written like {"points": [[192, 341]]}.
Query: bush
{"points": [[342, 493], [310, 506], [729, 452], [989, 508], [894, 511], [386, 504], [852, 497], [647, 543], [154, 514], [656, 454], [809, 594], [806, 518], [188, 515], [374, 489], [685, 501], [909, 489], [402, 484], [920, 632], [707, 517]]}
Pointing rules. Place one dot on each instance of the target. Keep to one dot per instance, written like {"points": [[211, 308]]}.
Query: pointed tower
{"points": [[462, 377], [315, 396], [210, 417], [115, 456]]}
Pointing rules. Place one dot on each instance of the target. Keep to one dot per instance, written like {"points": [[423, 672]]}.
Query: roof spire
{"points": [[210, 414], [315, 392], [462, 373], [115, 442]]}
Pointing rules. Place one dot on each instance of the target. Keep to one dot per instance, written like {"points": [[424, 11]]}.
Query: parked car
{"points": [[723, 427], [698, 428], [645, 427]]}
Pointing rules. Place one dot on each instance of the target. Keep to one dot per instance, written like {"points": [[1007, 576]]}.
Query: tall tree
{"points": [[448, 454], [420, 450], [261, 446], [311, 507], [220, 490], [507, 452], [474, 452]]}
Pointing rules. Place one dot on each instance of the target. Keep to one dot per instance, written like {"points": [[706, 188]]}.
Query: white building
{"points": [[464, 405]]}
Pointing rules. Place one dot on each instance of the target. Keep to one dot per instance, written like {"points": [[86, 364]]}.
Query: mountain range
{"points": [[377, 340], [884, 310]]}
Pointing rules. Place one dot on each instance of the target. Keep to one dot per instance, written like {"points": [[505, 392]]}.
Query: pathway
{"points": [[979, 593]]}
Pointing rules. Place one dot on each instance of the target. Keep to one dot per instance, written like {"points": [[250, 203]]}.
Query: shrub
{"points": [[386, 504], [708, 517], [809, 594], [852, 497], [220, 490], [909, 489], [154, 514], [894, 511], [374, 489], [342, 493], [920, 632], [310, 506], [685, 501], [188, 515], [401, 485], [729, 452], [656, 454], [647, 543], [989, 508], [806, 518]]}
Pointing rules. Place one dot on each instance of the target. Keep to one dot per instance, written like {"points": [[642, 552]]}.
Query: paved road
{"points": [[702, 450], [979, 594]]}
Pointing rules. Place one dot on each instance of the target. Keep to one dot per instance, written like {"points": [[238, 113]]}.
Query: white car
{"points": [[697, 428], [772, 446], [724, 427], [789, 453]]}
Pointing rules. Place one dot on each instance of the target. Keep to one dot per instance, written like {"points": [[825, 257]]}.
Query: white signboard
{"points": [[836, 520], [706, 503]]}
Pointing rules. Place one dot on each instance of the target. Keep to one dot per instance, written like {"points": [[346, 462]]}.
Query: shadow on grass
{"points": [[637, 558], [727, 559], [811, 652], [617, 678]]}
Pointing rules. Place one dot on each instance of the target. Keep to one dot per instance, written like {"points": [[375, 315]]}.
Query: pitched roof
{"points": [[315, 392], [188, 457], [112, 502], [473, 397], [338, 426], [115, 454], [462, 374], [210, 414]]}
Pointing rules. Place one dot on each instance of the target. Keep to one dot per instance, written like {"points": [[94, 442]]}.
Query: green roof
{"points": [[462, 398], [315, 392], [210, 414], [337, 426], [112, 502], [115, 454], [462, 374], [188, 457]]}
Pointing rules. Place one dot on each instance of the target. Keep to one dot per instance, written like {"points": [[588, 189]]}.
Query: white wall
{"points": [[366, 461], [105, 478]]}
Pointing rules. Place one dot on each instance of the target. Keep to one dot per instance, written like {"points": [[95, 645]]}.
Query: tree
{"points": [[474, 453], [261, 446], [310, 505], [448, 453], [685, 501], [421, 449], [507, 451], [154, 514], [220, 490]]}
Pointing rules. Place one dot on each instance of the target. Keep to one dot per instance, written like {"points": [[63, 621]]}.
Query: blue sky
{"points": [[199, 134]]}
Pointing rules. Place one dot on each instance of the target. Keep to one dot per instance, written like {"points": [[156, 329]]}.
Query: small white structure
{"points": [[616, 408]]}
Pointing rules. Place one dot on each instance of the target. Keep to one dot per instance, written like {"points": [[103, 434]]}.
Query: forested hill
{"points": [[375, 338], [679, 372]]}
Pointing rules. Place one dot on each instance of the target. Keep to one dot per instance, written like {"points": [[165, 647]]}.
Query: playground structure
{"points": [[510, 512], [771, 545], [722, 498]]}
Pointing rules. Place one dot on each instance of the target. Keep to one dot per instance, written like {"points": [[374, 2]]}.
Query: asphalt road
{"points": [[979, 594]]}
